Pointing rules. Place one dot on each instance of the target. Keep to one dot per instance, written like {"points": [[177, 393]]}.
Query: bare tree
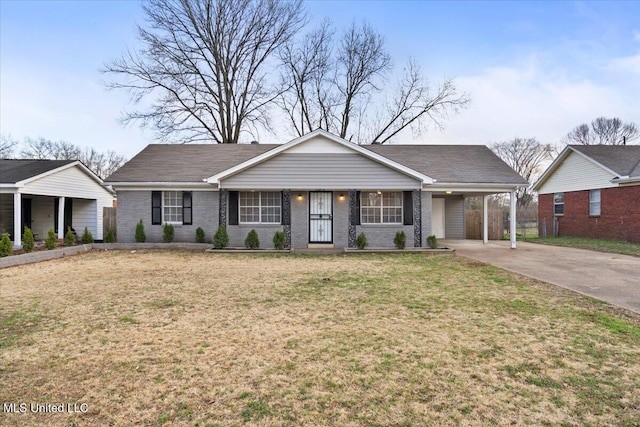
{"points": [[206, 61], [102, 164], [7, 145], [335, 86], [603, 131], [526, 156]]}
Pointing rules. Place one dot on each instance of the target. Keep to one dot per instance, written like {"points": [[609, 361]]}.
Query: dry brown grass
{"points": [[179, 338]]}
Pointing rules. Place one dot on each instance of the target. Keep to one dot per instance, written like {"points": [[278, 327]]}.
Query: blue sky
{"points": [[533, 69]]}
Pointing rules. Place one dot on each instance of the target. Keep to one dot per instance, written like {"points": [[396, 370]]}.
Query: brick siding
{"points": [[619, 217]]}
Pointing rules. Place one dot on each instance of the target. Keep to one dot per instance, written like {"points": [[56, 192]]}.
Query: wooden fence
{"points": [[109, 216], [474, 224]]}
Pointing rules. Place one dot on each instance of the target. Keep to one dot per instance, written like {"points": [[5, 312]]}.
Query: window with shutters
{"points": [[260, 207], [378, 207], [171, 207]]}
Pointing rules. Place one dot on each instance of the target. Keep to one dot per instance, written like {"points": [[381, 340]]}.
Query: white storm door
{"points": [[320, 217], [437, 217]]}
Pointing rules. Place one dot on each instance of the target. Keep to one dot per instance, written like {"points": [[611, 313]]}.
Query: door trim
{"points": [[309, 218]]}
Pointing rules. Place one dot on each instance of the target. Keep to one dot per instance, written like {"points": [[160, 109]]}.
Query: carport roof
{"points": [[15, 170]]}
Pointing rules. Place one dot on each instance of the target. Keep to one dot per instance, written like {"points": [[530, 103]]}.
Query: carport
{"points": [[45, 194]]}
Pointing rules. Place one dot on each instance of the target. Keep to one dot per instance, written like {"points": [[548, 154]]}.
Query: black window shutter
{"points": [[355, 214], [407, 207], [156, 207], [187, 208], [233, 208]]}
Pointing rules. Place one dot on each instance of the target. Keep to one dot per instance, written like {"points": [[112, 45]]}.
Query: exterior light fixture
{"points": [[341, 197], [300, 197], [379, 192], [448, 192]]}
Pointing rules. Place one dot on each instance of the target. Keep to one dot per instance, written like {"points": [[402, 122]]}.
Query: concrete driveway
{"points": [[608, 277]]}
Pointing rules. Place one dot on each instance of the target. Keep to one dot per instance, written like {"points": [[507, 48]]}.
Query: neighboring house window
{"points": [[381, 207], [262, 207], [594, 202], [171, 207], [558, 203]]}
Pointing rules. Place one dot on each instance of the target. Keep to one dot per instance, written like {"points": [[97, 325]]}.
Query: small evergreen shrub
{"points": [[361, 241], [70, 237], [167, 233], [6, 247], [140, 236], [252, 241], [51, 242], [400, 240], [221, 238], [28, 242], [110, 236], [199, 235], [279, 240], [432, 242], [86, 237]]}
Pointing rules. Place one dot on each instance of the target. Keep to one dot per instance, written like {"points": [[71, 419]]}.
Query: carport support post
{"points": [[61, 218], [17, 220], [512, 223], [485, 219]]}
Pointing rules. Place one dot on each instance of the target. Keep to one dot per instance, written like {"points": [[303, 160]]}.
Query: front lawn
{"points": [[600, 245], [177, 338]]}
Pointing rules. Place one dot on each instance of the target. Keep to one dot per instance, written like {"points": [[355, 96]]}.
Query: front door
{"points": [[321, 217], [26, 214]]}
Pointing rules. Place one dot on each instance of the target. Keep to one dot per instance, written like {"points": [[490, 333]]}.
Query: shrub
{"points": [[252, 241], [167, 233], [70, 237], [6, 247], [221, 238], [86, 237], [140, 236], [51, 242], [361, 241], [400, 240], [432, 242], [110, 237], [28, 242], [279, 240], [199, 235]]}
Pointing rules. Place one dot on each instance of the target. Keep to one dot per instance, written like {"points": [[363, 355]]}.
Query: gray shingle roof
{"points": [[194, 163], [452, 163], [622, 159], [12, 171], [185, 163]]}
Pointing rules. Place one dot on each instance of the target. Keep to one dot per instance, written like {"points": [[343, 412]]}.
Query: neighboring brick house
{"points": [[591, 191]]}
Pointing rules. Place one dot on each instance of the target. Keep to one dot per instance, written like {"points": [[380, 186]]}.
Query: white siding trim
{"points": [[215, 179], [576, 173]]}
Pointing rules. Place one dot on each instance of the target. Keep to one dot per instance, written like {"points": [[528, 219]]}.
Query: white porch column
{"points": [[17, 220], [512, 215], [485, 219], [61, 229]]}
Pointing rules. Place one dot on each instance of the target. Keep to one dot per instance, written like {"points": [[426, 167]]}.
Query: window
{"points": [[260, 207], [594, 202], [381, 208], [558, 203], [171, 207]]}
